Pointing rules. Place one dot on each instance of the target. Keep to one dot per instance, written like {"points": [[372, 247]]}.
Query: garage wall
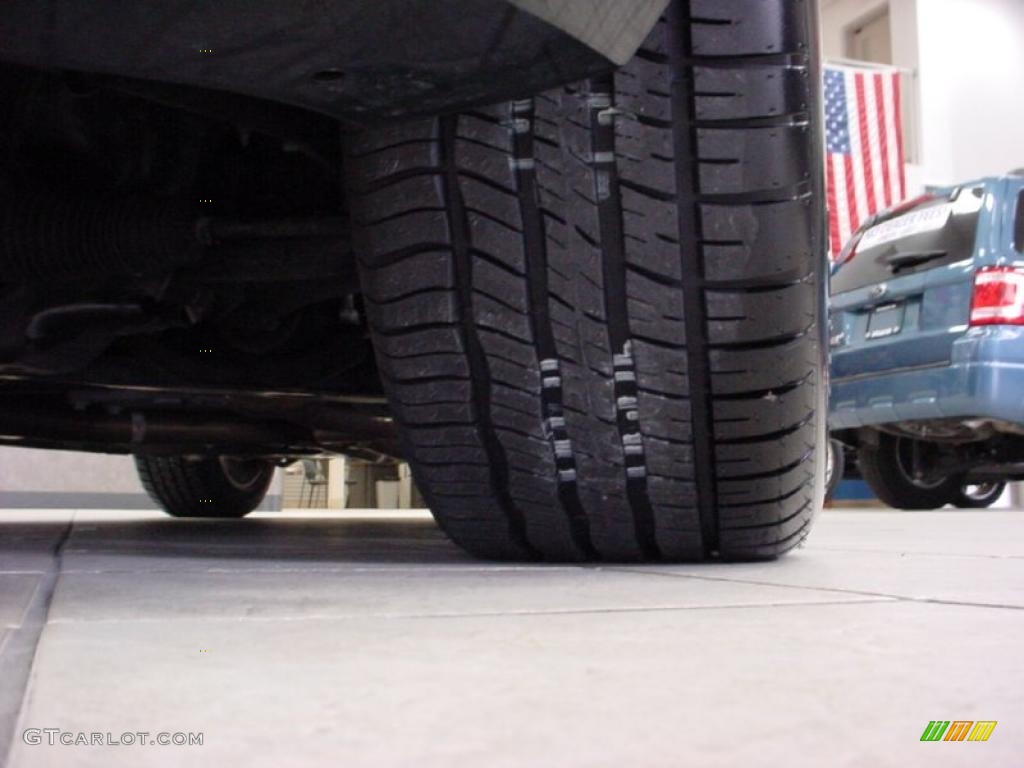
{"points": [[972, 87], [839, 15], [38, 479]]}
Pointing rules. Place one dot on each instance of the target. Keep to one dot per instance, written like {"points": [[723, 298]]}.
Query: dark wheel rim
{"points": [[243, 474], [905, 463], [981, 491]]}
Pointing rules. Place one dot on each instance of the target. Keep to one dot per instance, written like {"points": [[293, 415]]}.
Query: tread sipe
{"points": [[598, 312]]}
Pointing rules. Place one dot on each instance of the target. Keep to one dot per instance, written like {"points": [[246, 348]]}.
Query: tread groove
{"points": [[538, 293], [609, 215], [690, 235], [480, 377]]}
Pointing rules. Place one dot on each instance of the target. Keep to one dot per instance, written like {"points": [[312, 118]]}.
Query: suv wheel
{"points": [[888, 469], [598, 312], [205, 487], [978, 495]]}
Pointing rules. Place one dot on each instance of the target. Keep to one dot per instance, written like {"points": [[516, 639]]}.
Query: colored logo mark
{"points": [[958, 730]]}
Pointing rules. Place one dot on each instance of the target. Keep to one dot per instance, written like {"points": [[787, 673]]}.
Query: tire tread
{"points": [[622, 279]]}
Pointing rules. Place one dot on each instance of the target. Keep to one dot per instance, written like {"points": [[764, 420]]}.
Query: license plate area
{"points": [[885, 321]]}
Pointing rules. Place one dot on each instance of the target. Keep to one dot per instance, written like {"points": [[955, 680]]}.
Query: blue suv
{"points": [[927, 341]]}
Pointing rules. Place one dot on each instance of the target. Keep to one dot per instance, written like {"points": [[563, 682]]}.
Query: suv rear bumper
{"points": [[984, 379]]}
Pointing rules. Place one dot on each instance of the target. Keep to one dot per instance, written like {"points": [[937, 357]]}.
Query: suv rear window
{"points": [[938, 231]]}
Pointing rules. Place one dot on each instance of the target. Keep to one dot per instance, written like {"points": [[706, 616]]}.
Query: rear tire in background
{"points": [[887, 469], [205, 487], [598, 312]]}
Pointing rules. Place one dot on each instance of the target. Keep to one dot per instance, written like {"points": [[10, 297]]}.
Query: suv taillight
{"points": [[998, 297]]}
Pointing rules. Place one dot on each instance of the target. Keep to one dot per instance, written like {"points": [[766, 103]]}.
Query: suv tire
{"points": [[885, 467], [205, 487], [598, 312]]}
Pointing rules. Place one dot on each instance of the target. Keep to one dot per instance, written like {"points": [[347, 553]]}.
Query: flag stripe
{"points": [[855, 168], [835, 240], [897, 100], [874, 141], [853, 215], [867, 164], [851, 194], [883, 143], [895, 163], [843, 200]]}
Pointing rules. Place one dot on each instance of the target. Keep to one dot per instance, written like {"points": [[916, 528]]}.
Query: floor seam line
{"points": [[917, 554], [23, 645], [838, 590], [487, 615]]}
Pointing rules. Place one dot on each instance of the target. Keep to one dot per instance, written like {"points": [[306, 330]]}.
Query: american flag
{"points": [[864, 147]]}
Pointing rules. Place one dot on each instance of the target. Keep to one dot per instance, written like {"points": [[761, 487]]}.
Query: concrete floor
{"points": [[327, 640]]}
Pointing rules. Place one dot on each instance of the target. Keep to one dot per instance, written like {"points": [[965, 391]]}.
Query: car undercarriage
{"points": [[173, 278]]}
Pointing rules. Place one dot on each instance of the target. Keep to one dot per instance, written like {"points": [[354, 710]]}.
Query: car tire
{"points": [[598, 312], [835, 467], [885, 468], [982, 496], [205, 487]]}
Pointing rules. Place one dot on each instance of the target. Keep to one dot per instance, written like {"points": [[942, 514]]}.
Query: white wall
{"points": [[839, 15], [972, 87], [29, 469], [32, 477]]}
